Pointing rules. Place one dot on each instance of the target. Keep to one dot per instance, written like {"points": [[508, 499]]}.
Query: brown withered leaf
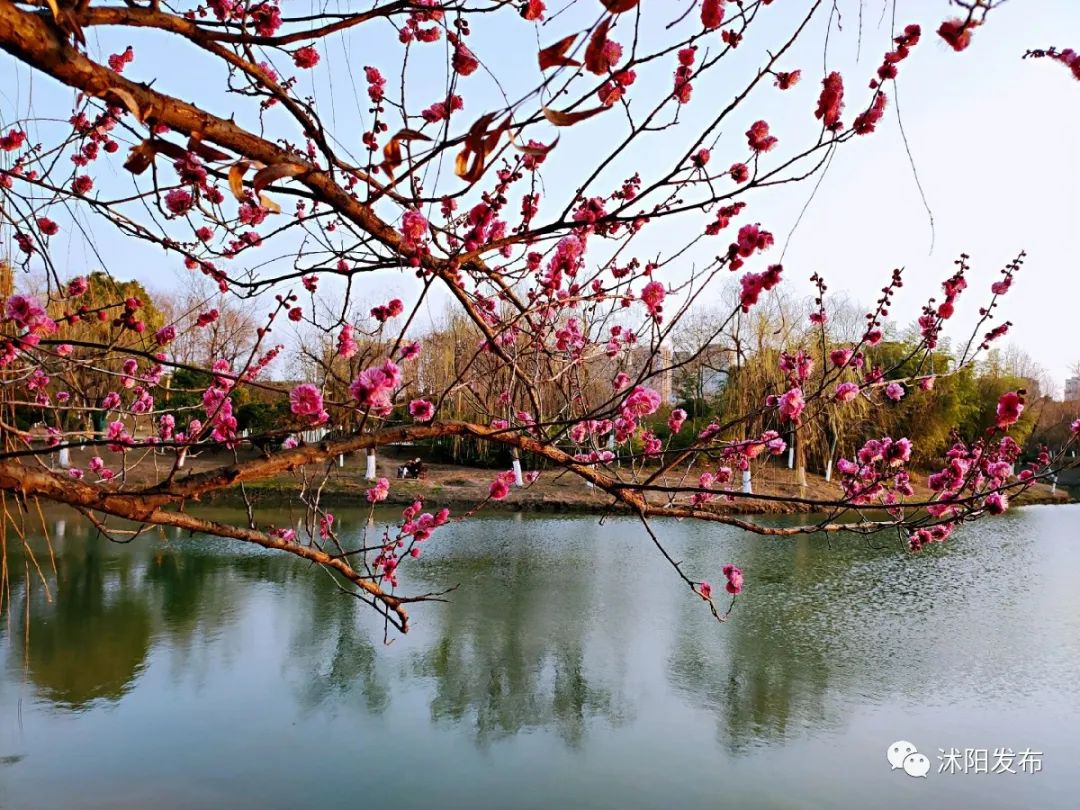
{"points": [[392, 151], [269, 204], [140, 157], [170, 149], [236, 178], [128, 101], [479, 143], [538, 151], [196, 145], [595, 60], [619, 6], [566, 118], [277, 171], [555, 55]]}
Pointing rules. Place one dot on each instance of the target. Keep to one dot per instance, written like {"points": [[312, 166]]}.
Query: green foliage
{"points": [[263, 417]]}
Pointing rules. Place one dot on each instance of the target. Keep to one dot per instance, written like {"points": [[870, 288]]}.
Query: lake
{"points": [[570, 669]]}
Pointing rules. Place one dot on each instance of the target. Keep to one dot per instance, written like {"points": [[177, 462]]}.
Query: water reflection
{"points": [[509, 655], [560, 629]]}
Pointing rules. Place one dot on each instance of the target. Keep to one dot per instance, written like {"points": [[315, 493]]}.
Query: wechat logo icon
{"points": [[902, 754]]}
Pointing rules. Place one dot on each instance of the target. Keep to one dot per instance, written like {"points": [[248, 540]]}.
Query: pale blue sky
{"points": [[993, 137]]}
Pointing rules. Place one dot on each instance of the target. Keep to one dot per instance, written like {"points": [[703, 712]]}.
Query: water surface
{"points": [[569, 669]]}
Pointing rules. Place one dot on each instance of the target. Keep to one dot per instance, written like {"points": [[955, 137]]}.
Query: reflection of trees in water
{"points": [[766, 673], [91, 642], [509, 653], [331, 650], [111, 603]]}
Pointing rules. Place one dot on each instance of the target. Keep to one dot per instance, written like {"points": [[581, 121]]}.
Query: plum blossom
{"points": [[642, 401], [845, 392], [500, 487], [653, 298], [306, 401], [379, 492], [734, 579], [791, 405], [375, 386], [676, 420], [996, 503], [421, 410], [346, 343], [1009, 408]]}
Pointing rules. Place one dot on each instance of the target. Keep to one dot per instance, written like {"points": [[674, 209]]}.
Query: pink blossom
{"points": [[734, 579], [653, 298], [78, 286], [894, 391], [705, 589], [676, 420], [179, 201], [840, 357], [375, 386], [642, 401], [306, 57], [845, 392], [791, 405], [759, 138], [306, 400], [926, 383], [165, 335], [421, 410], [414, 229], [346, 344], [996, 503], [379, 492], [1009, 408]]}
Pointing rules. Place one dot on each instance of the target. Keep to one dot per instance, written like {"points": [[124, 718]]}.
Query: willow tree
{"points": [[572, 205]]}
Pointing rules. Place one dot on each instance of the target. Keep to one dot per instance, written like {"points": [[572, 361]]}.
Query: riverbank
{"points": [[555, 491]]}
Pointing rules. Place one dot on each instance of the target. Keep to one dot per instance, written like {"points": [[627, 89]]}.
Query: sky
{"points": [[992, 138]]}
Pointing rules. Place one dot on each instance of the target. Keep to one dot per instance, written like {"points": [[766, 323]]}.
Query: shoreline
{"points": [[543, 501]]}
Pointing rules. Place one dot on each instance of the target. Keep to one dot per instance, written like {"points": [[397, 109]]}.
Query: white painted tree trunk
{"points": [[370, 474], [65, 457], [519, 479], [341, 460], [791, 455], [747, 487], [182, 457], [828, 470], [61, 528]]}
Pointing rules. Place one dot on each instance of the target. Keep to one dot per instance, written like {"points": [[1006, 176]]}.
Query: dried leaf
{"points": [[196, 145], [236, 178], [479, 143], [277, 171], [128, 101], [565, 119], [492, 140], [140, 157], [619, 6], [269, 204], [538, 151], [392, 150], [170, 149], [555, 55], [474, 140], [595, 59]]}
